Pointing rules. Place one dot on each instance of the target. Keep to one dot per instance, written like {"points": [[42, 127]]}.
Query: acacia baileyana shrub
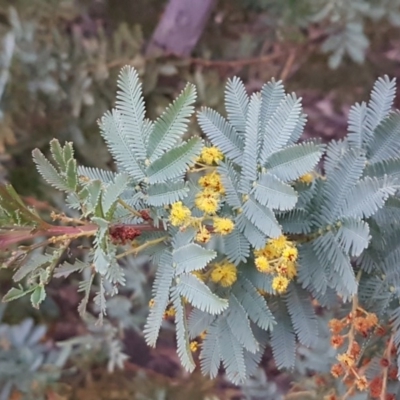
{"points": [[249, 236]]}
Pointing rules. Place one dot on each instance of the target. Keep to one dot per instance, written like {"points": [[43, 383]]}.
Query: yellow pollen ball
{"points": [[280, 284], [207, 202], [203, 235], [224, 273], [223, 226], [307, 178], [263, 265], [290, 254], [180, 214], [194, 345], [213, 182], [211, 155]]}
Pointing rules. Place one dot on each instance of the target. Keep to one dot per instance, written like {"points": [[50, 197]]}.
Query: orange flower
{"points": [[336, 326], [355, 350], [337, 370], [346, 360], [337, 341], [375, 387], [362, 383]]}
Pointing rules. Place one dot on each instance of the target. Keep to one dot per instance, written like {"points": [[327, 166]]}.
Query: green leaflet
{"points": [[182, 337], [96, 174], [254, 304], [367, 197], [281, 126], [255, 237], [382, 97], [58, 154], [198, 322], [357, 124], [161, 291], [236, 104], [310, 273], [131, 108], [353, 236], [230, 180], [283, 339], [161, 194], [221, 133], [333, 259], [339, 183], [262, 217], [48, 172], [175, 162], [119, 145], [236, 247], [294, 161], [385, 143], [270, 192], [172, 124], [199, 295], [232, 353], [210, 356], [251, 148], [191, 257], [302, 315], [237, 319], [114, 191]]}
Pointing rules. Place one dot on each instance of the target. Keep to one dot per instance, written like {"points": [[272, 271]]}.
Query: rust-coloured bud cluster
{"points": [[122, 234]]}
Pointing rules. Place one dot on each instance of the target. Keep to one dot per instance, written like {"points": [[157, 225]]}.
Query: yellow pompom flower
{"points": [[224, 273], [280, 284], [279, 244], [170, 312], [151, 303], [290, 254], [307, 178], [211, 155], [194, 345], [180, 214], [269, 252], [263, 265], [207, 201], [291, 270], [223, 226], [212, 181], [203, 235]]}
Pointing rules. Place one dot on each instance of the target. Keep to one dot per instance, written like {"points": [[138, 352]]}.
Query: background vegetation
{"points": [[58, 68]]}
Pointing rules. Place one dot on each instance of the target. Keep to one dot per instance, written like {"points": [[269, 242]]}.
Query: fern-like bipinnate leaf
{"points": [[175, 162], [221, 134], [182, 337], [161, 292], [199, 295], [191, 257], [236, 104], [172, 124], [48, 172], [131, 108]]}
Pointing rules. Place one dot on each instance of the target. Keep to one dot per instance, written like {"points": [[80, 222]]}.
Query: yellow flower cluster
{"points": [[224, 273], [210, 155], [180, 214], [169, 312], [203, 235], [223, 226], [307, 178], [194, 346], [278, 258], [207, 201], [213, 182]]}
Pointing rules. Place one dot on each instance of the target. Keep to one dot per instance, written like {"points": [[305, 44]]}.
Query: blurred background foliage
{"points": [[59, 62]]}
